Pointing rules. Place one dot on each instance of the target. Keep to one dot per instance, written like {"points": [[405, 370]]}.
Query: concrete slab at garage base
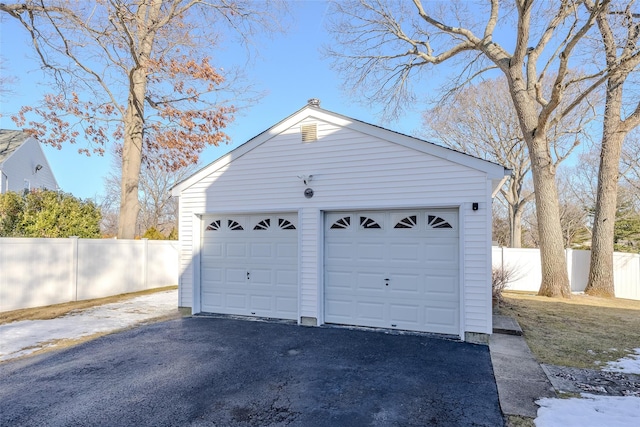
{"points": [[225, 372]]}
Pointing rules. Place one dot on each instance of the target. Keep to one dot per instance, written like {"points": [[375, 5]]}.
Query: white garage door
{"points": [[249, 265], [396, 269]]}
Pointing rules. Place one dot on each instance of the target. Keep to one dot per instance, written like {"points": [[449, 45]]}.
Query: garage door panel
{"points": [[340, 279], [287, 250], [236, 301], [235, 276], [261, 250], [212, 299], [406, 253], [416, 250], [339, 309], [286, 278], [371, 252], [370, 283], [441, 285], [236, 250], [405, 314], [339, 251], [445, 253], [212, 274], [372, 311], [261, 304], [249, 265], [287, 305], [212, 249], [261, 277]]}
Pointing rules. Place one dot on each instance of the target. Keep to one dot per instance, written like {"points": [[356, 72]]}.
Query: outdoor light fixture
{"points": [[306, 179], [38, 167], [474, 206]]}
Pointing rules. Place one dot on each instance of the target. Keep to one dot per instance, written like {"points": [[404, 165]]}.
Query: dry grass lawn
{"points": [[58, 310], [582, 332]]}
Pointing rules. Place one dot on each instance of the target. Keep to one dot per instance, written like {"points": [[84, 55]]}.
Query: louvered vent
{"points": [[309, 132]]}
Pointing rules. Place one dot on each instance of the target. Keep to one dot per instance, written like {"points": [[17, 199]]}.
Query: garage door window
{"points": [[342, 223], [366, 222], [215, 225], [437, 222], [408, 222], [285, 224]]}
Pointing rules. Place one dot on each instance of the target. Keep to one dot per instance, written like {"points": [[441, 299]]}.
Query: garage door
{"points": [[249, 265], [396, 269]]}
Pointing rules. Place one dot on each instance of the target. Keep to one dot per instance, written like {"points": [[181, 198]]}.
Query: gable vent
{"points": [[309, 132]]}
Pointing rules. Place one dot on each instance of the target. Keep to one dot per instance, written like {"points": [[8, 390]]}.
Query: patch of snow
{"points": [[25, 337], [589, 411], [628, 365]]}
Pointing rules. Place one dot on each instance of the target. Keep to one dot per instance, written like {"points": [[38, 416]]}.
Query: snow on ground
{"points": [[595, 411], [27, 336], [589, 411], [628, 365]]}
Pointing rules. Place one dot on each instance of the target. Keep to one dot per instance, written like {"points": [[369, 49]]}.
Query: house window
{"points": [[27, 186]]}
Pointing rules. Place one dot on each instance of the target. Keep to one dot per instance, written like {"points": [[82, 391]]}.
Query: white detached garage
{"points": [[323, 219]]}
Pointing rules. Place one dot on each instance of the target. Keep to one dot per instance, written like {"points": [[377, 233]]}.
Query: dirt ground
{"points": [[581, 332], [57, 310]]}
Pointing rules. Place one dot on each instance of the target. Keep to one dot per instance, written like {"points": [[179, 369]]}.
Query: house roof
{"points": [[10, 141], [313, 110]]}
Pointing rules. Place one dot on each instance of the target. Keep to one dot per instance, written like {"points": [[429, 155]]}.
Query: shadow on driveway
{"points": [[225, 372]]}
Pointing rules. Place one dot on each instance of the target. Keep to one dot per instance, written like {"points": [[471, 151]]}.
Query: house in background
{"points": [[323, 219], [23, 165]]}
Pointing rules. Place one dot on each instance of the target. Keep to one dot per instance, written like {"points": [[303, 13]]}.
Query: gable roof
{"points": [[10, 141], [493, 170]]}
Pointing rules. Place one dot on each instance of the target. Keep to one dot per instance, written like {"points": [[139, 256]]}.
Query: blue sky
{"points": [[290, 68]]}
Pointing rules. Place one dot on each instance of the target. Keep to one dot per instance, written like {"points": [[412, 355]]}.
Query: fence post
{"points": [[145, 262], [74, 268]]}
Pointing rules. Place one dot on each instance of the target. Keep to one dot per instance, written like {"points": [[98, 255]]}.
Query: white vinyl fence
{"points": [[39, 272], [526, 266]]}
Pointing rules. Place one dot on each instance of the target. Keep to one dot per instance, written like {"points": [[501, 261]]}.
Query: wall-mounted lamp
{"points": [[306, 179], [474, 206], [38, 167]]}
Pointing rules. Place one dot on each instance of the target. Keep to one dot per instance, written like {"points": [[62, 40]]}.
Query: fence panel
{"points": [[527, 270], [626, 275], [40, 272], [34, 272]]}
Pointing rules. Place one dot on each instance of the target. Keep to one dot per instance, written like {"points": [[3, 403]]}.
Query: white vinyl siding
{"points": [[19, 169], [351, 170]]}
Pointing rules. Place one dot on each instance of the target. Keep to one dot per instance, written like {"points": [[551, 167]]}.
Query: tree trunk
{"points": [[146, 19], [600, 281], [515, 227], [555, 279], [131, 164]]}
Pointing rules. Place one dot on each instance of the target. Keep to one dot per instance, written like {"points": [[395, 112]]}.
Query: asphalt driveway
{"points": [[223, 372]]}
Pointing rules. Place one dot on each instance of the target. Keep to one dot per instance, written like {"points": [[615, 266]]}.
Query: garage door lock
{"points": [[248, 275], [386, 282]]}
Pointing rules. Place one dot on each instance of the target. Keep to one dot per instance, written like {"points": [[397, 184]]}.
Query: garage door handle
{"points": [[386, 282], [247, 275]]}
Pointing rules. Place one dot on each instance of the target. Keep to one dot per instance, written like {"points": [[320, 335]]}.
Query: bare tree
{"points": [[620, 30], [138, 72], [630, 163], [158, 209], [382, 46], [480, 120]]}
